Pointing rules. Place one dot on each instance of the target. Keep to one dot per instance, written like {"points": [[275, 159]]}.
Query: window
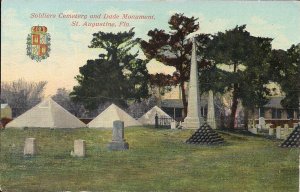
{"points": [[279, 114], [276, 113], [290, 114], [262, 112], [203, 111]]}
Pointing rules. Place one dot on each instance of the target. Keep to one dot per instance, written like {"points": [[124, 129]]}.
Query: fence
{"points": [[223, 122], [277, 122], [163, 121]]}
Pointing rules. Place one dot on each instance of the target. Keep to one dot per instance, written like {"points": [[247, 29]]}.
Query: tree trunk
{"points": [[185, 104], [246, 117], [234, 106], [234, 100]]}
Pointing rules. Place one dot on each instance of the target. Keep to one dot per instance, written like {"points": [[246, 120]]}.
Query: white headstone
{"points": [[271, 131], [278, 132], [268, 125], [286, 126], [193, 119], [262, 123], [79, 148], [254, 131], [30, 146], [173, 125]]}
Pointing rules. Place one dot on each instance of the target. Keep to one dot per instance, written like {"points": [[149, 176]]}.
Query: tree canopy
{"points": [[173, 48], [22, 95], [116, 76], [246, 56], [62, 97], [285, 69]]}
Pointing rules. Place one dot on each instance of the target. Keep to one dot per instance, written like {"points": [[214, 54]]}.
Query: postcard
{"points": [[150, 95]]}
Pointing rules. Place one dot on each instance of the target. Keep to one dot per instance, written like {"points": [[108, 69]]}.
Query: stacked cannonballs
{"points": [[205, 135], [293, 139]]}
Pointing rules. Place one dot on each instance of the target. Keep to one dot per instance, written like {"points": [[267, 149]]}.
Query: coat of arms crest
{"points": [[38, 43]]}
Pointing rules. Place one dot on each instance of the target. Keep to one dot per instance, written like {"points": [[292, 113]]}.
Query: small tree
{"points": [[62, 97], [22, 95], [137, 109]]}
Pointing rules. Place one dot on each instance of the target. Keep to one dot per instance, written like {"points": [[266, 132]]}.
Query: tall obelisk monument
{"points": [[211, 120], [193, 119]]}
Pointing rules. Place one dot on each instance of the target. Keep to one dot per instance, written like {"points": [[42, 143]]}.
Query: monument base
{"points": [[192, 123], [212, 123], [118, 146]]}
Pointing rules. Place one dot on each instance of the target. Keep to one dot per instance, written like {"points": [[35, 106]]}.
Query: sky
{"points": [[279, 20]]}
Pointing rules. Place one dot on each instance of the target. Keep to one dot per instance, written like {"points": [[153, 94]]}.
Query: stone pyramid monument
{"points": [[149, 117], [46, 114], [293, 140], [111, 114], [205, 135]]}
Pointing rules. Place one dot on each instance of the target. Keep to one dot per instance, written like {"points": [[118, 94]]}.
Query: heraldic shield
{"points": [[38, 43]]}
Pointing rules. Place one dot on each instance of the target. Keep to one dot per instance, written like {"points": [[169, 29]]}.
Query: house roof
{"points": [[177, 103], [274, 102], [4, 105]]}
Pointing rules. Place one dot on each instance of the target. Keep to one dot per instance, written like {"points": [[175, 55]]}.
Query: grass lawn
{"points": [[158, 160]]}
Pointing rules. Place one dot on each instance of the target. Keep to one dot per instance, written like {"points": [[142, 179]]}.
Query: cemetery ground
{"points": [[157, 160]]}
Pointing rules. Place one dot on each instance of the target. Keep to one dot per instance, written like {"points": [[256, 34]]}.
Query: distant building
{"points": [[6, 111], [274, 110], [174, 108]]}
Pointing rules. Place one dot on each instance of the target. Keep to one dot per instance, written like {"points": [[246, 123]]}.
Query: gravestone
{"points": [[79, 148], [271, 132], [269, 125], [253, 130], [30, 146], [118, 142], [278, 132], [173, 125], [261, 123], [286, 126]]}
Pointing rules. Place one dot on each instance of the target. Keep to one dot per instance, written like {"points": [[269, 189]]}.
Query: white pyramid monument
{"points": [[46, 114], [111, 114], [149, 117]]}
